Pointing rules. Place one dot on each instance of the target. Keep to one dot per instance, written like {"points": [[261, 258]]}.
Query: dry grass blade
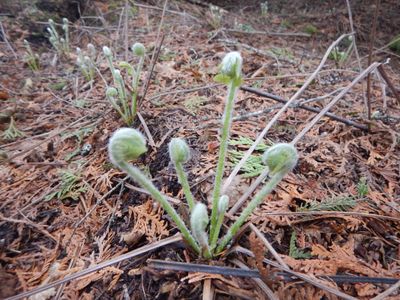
{"points": [[113, 261], [269, 293], [366, 72], [314, 281], [388, 292], [268, 245]]}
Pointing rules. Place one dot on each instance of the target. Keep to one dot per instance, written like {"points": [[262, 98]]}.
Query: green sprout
{"points": [[280, 160], [31, 58], [127, 111], [128, 144], [86, 63], [216, 13], [12, 132], [295, 252], [61, 44], [231, 75], [264, 8], [180, 153], [341, 56]]}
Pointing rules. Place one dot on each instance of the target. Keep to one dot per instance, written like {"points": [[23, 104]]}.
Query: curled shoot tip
{"points": [[126, 144]]}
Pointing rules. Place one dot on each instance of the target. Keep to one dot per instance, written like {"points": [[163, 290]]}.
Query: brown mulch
{"points": [[60, 114]]}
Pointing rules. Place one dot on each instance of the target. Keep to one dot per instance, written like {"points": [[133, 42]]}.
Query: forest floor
{"points": [[64, 208]]}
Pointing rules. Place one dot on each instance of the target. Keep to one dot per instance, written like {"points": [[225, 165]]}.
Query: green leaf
{"points": [[294, 251], [220, 78]]}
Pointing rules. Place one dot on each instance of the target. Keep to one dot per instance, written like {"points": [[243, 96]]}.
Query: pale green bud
{"points": [[117, 74], [280, 158], [65, 24], [179, 151], [51, 22], [107, 51], [111, 92], [232, 65], [138, 49], [79, 61], [198, 222], [91, 49], [126, 144], [223, 204]]}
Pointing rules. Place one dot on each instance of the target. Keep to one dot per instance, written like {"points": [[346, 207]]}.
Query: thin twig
{"points": [[314, 281], [278, 114], [170, 199], [208, 290], [263, 286], [6, 40], [323, 112], [152, 65], [309, 108], [156, 52], [371, 42], [333, 213], [146, 129], [184, 14], [389, 83], [268, 245], [50, 136], [270, 33], [92, 269], [126, 41], [387, 293]]}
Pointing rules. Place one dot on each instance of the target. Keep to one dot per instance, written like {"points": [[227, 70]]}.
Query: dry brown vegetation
{"points": [[64, 208]]}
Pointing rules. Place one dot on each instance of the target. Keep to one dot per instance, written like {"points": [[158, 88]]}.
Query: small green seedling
{"points": [[310, 29], [394, 44], [295, 252], [127, 144], [264, 8], [61, 44], [71, 186], [86, 63], [127, 104], [341, 56], [12, 132], [216, 14], [32, 59]]}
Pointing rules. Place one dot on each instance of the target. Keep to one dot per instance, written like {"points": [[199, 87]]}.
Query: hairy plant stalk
{"points": [[198, 222], [257, 200], [135, 85], [146, 184], [182, 178], [280, 159], [179, 154], [122, 95], [214, 230]]}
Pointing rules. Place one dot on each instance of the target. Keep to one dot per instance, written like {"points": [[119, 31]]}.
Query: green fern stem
{"points": [[214, 229], [257, 200], [146, 184], [135, 85], [185, 184]]}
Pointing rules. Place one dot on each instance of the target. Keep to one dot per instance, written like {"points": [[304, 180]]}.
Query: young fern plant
{"points": [[127, 104], [280, 159], [61, 44], [31, 58], [127, 144], [87, 63]]}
